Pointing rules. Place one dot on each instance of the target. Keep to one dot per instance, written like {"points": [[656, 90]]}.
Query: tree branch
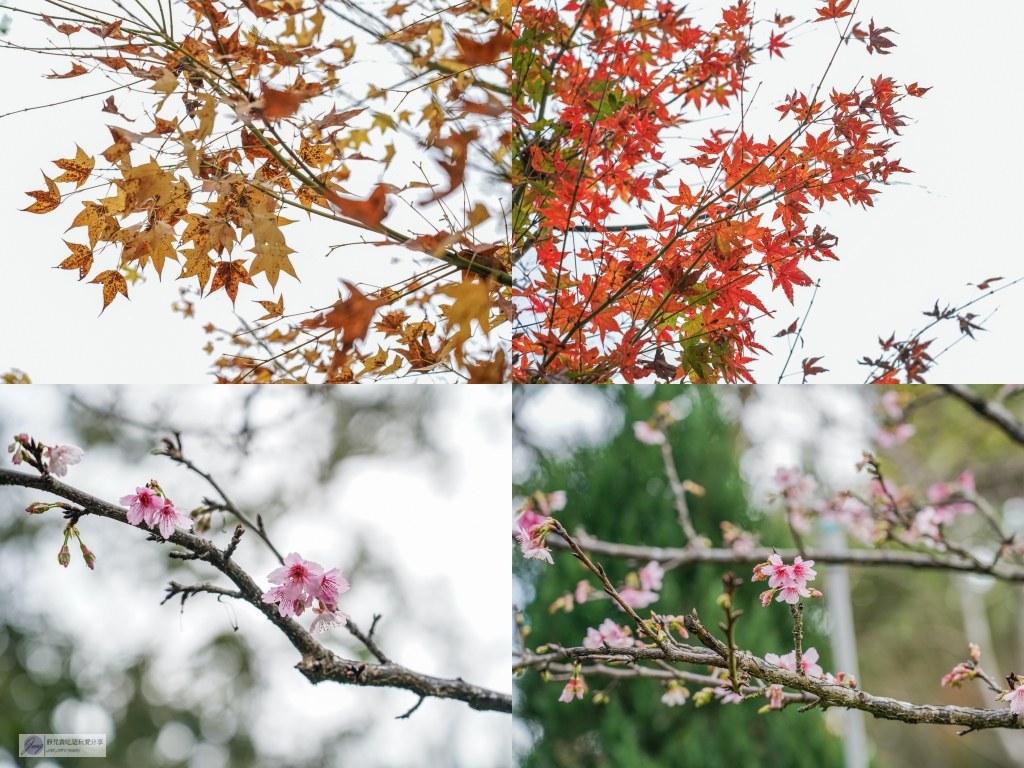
{"points": [[993, 410], [318, 663], [675, 556]]}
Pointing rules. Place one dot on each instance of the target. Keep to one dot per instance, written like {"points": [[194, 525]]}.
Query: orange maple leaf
{"points": [[370, 212], [476, 53], [836, 9]]}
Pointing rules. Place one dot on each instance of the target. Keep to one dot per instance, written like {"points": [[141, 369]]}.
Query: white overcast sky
{"points": [[441, 529], [60, 337]]}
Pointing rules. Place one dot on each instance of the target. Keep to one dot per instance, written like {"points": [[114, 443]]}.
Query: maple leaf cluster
{"points": [[597, 88], [251, 121]]}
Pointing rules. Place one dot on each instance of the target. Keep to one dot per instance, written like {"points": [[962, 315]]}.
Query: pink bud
{"points": [[38, 507], [64, 558], [90, 558]]}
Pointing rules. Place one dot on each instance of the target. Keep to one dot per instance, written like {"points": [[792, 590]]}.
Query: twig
{"points": [[368, 640], [414, 708]]}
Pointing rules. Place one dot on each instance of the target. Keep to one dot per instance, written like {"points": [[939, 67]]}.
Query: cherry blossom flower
{"points": [[887, 437], [809, 662], [728, 696], [583, 590], [795, 486], [843, 678], [774, 694], [575, 687], [891, 404], [331, 586], [297, 579], [637, 598], [61, 456], [528, 520], [960, 674], [167, 517], [676, 695], [531, 542], [553, 502], [647, 434], [740, 541], [1015, 697], [781, 575], [650, 576], [609, 632], [142, 505], [327, 619]]}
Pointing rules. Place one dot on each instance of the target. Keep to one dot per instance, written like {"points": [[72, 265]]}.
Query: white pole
{"points": [[844, 643]]}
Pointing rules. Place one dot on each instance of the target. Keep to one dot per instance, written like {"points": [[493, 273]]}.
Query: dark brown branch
{"points": [[186, 592], [992, 410], [172, 450], [675, 556], [368, 640], [318, 663]]}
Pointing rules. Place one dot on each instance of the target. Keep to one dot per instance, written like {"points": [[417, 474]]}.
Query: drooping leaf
{"points": [[113, 284], [80, 259]]}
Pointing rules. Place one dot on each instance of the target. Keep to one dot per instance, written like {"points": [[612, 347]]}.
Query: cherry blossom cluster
{"points": [[676, 695], [809, 662], [965, 670], [738, 540], [533, 524], [611, 634], [151, 506], [788, 583], [58, 457], [724, 693], [300, 582], [895, 431]]}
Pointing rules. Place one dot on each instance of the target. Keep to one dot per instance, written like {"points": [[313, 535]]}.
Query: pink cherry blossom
{"points": [[1015, 697], [792, 594], [528, 520], [650, 576], [766, 597], [61, 456], [142, 505], [583, 590], [609, 632], [555, 502], [636, 598], [796, 486], [960, 674], [801, 571], [167, 517], [774, 694], [645, 433], [296, 578], [331, 586], [809, 662], [891, 404], [575, 687], [888, 437], [531, 542], [728, 696]]}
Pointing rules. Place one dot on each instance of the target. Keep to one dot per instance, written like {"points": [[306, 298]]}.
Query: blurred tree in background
{"points": [[617, 492]]}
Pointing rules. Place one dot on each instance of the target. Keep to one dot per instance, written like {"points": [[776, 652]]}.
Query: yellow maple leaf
{"points": [[472, 302], [271, 259], [113, 284], [101, 225], [80, 259], [198, 265], [76, 171], [274, 308]]}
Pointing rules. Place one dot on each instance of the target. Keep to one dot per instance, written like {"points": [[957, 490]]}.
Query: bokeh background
{"points": [[910, 627], [398, 487]]}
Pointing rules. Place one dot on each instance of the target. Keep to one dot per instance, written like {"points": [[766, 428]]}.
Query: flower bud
{"points": [[64, 558], [90, 558], [38, 507]]}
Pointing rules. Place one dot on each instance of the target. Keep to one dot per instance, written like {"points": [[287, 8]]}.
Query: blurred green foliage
{"points": [[617, 492]]}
